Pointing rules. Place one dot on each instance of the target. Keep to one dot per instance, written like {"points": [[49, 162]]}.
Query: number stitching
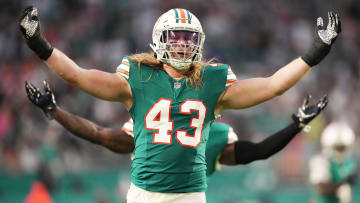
{"points": [[158, 120], [181, 135], [157, 135]]}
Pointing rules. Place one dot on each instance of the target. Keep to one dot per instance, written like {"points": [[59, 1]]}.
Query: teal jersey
{"points": [[326, 170], [220, 135], [171, 126]]}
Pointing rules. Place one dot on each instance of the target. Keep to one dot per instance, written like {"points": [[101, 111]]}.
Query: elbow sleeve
{"points": [[246, 152]]}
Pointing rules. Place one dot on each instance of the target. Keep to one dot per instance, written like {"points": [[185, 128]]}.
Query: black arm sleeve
{"points": [[246, 152]]}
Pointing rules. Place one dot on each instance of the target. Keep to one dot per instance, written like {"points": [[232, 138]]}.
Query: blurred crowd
{"points": [[256, 37]]}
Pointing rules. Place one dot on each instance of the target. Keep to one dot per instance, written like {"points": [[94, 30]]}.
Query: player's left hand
{"points": [[45, 101], [324, 39], [333, 29], [307, 113]]}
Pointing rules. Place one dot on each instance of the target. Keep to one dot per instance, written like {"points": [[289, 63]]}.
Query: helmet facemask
{"points": [[175, 43]]}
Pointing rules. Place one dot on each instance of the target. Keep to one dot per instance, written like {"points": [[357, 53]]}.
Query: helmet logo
{"points": [[182, 15], [177, 85]]}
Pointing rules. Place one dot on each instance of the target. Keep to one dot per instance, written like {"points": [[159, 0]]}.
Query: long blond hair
{"points": [[193, 76]]}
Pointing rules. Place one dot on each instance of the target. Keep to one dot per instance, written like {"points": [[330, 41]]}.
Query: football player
{"points": [[223, 146], [333, 171], [174, 95]]}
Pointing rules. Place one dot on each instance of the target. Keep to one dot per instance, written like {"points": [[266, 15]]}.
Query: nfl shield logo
{"points": [[177, 85]]}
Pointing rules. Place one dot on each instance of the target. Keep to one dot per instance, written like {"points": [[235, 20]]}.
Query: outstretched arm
{"points": [[115, 140], [246, 93], [244, 152], [104, 85], [108, 86], [250, 92]]}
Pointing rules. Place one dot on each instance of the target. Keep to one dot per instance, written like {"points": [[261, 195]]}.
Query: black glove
{"points": [[45, 101], [307, 113], [324, 39], [30, 28]]}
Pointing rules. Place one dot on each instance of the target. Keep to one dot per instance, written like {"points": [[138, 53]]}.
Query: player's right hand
{"points": [[45, 101], [30, 28], [307, 113]]}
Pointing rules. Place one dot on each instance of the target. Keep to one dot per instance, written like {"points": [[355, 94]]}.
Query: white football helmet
{"points": [[337, 141], [167, 26]]}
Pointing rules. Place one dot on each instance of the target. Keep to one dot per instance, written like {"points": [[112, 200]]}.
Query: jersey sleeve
{"points": [[319, 170], [232, 136], [124, 68], [230, 78], [128, 127]]}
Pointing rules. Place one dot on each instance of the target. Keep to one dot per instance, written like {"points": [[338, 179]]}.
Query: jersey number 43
{"points": [[158, 119]]}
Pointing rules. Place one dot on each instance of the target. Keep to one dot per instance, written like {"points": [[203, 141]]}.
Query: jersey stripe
{"points": [[123, 73], [229, 82], [188, 16], [231, 77], [182, 15], [214, 65], [124, 68], [176, 15]]}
